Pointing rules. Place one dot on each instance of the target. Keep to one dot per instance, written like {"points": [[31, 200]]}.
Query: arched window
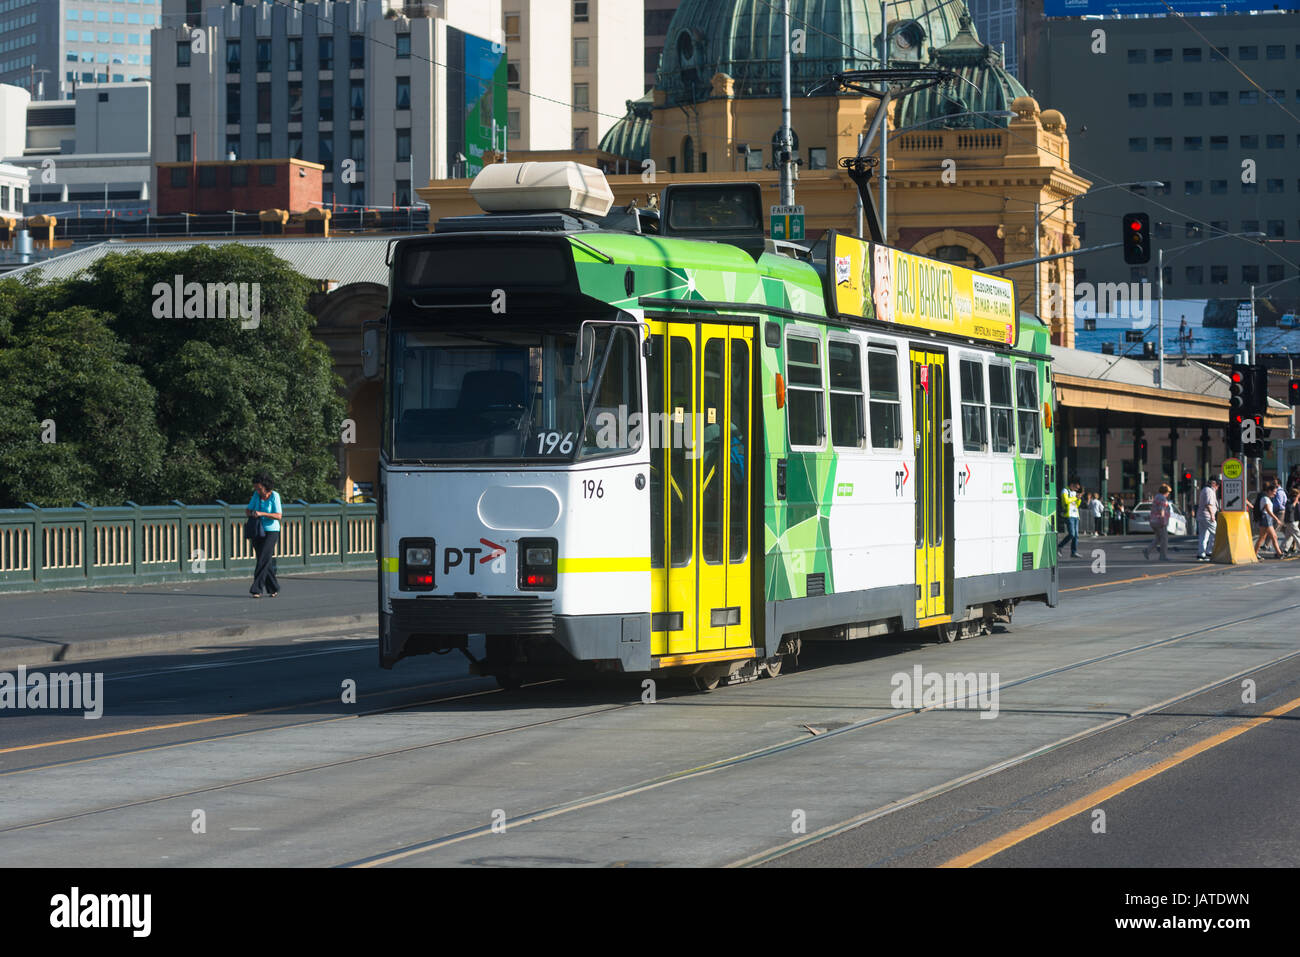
{"points": [[688, 155]]}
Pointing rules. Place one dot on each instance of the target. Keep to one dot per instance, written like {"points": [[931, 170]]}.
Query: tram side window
{"points": [[803, 372], [848, 424], [1027, 411], [1000, 407], [973, 416], [617, 398], [886, 409]]}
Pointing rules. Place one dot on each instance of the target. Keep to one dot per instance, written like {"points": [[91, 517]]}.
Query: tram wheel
{"points": [[704, 683], [509, 681], [773, 666], [948, 633]]}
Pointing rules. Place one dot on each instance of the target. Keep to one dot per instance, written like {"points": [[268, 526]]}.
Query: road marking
{"points": [[1089, 801], [1140, 578], [1289, 578]]}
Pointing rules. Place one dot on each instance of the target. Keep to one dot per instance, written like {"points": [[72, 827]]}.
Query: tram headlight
{"points": [[419, 556], [537, 564]]}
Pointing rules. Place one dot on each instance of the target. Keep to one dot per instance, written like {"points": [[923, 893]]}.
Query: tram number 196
{"points": [[593, 488]]}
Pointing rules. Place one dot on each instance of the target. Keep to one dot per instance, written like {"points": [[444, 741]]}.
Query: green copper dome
{"points": [[630, 136], [742, 38]]}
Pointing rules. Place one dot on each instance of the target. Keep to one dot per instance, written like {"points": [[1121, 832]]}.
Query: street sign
{"points": [[1232, 468], [787, 223], [1234, 494], [1244, 315]]}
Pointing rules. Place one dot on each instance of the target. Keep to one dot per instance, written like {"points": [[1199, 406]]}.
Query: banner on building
{"points": [[1085, 8]]}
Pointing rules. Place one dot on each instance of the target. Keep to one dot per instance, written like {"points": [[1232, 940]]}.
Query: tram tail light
{"points": [[415, 564], [537, 564]]}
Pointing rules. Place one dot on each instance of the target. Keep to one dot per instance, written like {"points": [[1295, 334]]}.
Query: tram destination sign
{"points": [[871, 281]]}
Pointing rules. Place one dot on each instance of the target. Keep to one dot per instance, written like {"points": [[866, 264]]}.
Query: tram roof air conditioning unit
{"points": [[530, 187]]}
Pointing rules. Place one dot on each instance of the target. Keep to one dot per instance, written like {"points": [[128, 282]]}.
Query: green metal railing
{"points": [[44, 548]]}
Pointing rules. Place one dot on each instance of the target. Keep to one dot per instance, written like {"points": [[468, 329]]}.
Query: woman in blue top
{"points": [[265, 504]]}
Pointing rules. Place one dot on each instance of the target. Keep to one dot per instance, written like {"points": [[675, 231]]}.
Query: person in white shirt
{"points": [[1098, 510], [1207, 513]]}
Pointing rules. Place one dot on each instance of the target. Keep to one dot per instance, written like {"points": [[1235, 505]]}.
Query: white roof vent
{"points": [[525, 187]]}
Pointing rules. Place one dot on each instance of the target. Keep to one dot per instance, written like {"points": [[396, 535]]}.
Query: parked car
{"points": [[1139, 519]]}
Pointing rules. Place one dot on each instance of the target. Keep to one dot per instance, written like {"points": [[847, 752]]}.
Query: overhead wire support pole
{"points": [[787, 147]]}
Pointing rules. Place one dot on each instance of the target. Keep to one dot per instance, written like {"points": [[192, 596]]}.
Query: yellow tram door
{"points": [[933, 447], [701, 430]]}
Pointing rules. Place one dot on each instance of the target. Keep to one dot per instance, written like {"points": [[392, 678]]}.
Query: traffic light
{"points": [[1293, 392], [1255, 449], [1187, 478], [1137, 239], [1238, 380], [1259, 394]]}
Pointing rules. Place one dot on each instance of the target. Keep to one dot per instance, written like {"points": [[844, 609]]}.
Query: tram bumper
{"points": [[417, 626]]}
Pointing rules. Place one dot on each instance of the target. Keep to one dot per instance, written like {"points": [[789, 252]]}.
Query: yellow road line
{"points": [[1090, 801]]}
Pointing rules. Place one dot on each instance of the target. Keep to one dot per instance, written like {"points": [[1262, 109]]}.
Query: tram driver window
{"points": [[973, 415], [848, 424], [1027, 409], [804, 408], [886, 410], [1000, 407]]}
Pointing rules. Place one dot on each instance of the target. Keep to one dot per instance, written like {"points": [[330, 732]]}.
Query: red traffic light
{"points": [[1135, 225], [1236, 377]]}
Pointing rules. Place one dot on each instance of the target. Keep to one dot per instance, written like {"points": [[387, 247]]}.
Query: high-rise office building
{"points": [[997, 23], [383, 101]]}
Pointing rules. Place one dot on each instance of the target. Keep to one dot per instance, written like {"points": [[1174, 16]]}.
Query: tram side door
{"points": [[933, 446], [701, 432]]}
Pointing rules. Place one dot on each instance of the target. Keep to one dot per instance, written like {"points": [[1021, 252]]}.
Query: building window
{"points": [[403, 46], [1276, 228], [512, 26], [403, 190], [1249, 141], [207, 176], [1080, 274], [1137, 273], [1191, 99], [1191, 228], [1248, 98], [1249, 274], [754, 159], [264, 103], [1163, 144], [1275, 96], [817, 157], [264, 146], [580, 13], [512, 124], [581, 97], [182, 99], [357, 195], [1250, 189], [180, 177], [263, 56], [404, 145], [295, 54], [1218, 98], [1218, 275], [1274, 272], [1161, 230], [1194, 275], [581, 51], [182, 51], [325, 150], [1137, 144], [1275, 186], [1218, 226], [1162, 99], [266, 175], [357, 52], [1218, 142], [1275, 141], [357, 99], [1275, 52], [357, 150], [1137, 56], [232, 148], [1248, 52], [1218, 187], [512, 76], [1192, 187], [325, 53], [403, 99], [232, 56], [295, 145], [580, 138], [183, 152], [1217, 55], [1192, 143], [295, 101], [1162, 55], [1137, 100]]}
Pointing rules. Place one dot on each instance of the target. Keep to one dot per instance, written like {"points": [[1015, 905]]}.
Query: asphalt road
{"points": [[301, 751]]}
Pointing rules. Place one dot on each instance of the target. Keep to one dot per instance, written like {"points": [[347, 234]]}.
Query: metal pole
{"points": [[858, 206], [884, 124], [1253, 356], [1037, 253], [787, 160], [1160, 313]]}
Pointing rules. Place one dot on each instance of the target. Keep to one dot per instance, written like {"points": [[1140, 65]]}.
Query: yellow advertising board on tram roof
{"points": [[871, 281]]}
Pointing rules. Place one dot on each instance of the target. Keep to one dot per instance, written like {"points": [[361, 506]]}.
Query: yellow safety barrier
{"points": [[1233, 544]]}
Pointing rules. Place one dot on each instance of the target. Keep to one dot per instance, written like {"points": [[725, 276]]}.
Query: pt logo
{"points": [[455, 557], [963, 479], [900, 479]]}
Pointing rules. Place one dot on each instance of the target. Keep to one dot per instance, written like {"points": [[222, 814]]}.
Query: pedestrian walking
{"points": [[1290, 537], [1207, 518], [1267, 521], [1098, 510], [1120, 522], [265, 505], [1070, 505], [1159, 524]]}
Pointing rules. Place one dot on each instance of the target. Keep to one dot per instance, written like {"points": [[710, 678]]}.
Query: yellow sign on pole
{"points": [[1232, 468]]}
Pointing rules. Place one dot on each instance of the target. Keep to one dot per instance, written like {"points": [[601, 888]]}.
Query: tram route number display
{"points": [[593, 488], [549, 443]]}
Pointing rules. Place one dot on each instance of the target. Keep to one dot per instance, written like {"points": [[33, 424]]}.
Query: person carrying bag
{"points": [[264, 509]]}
